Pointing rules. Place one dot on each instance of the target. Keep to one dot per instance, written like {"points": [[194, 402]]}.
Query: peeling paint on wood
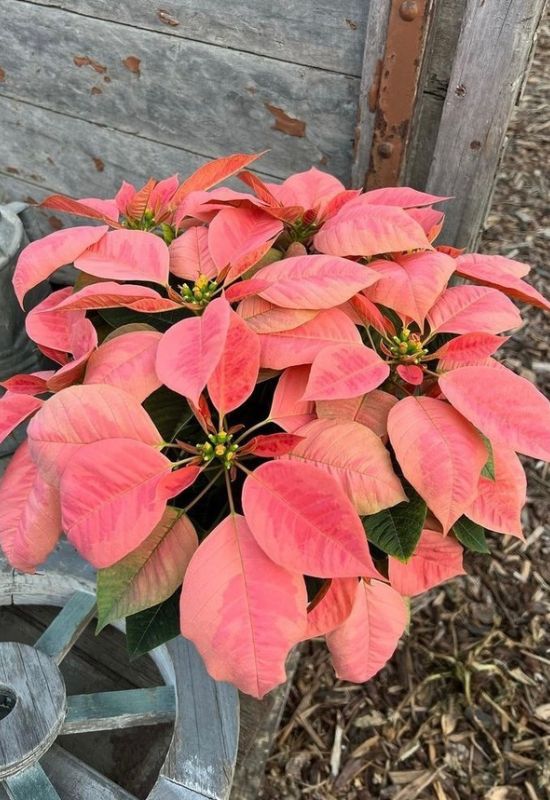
{"points": [[285, 123], [132, 63]]}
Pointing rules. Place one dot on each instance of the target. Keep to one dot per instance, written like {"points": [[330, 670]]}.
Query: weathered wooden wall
{"points": [[93, 91]]}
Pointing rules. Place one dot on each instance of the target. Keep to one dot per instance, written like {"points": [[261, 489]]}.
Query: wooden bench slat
{"points": [[104, 711]]}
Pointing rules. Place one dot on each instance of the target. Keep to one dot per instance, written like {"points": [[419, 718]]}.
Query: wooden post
{"points": [[492, 57]]}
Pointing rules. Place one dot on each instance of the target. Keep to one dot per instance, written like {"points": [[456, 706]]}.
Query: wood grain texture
{"points": [[105, 711], [33, 724], [75, 780], [317, 33], [32, 784], [208, 99], [492, 54], [375, 45], [434, 82], [201, 759], [59, 637]]}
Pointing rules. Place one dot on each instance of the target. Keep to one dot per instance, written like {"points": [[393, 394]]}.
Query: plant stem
{"points": [[202, 493], [229, 492]]}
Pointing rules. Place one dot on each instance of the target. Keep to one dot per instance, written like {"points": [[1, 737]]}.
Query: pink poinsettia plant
{"points": [[270, 415]]}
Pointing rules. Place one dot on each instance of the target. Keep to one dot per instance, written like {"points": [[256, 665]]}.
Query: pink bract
{"points": [[309, 380]]}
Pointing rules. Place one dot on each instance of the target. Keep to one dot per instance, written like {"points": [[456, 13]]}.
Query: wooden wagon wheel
{"points": [[34, 707]]}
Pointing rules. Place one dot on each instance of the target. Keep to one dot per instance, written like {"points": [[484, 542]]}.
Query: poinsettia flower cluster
{"points": [[280, 399]]}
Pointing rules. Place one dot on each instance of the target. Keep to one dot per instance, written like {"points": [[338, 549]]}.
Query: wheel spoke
{"points": [[76, 780], [106, 711], [32, 782], [59, 637]]}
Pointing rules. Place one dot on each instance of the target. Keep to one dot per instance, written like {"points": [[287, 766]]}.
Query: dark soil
{"points": [[462, 710]]}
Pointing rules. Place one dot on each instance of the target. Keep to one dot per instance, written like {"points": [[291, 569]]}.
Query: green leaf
{"points": [[170, 413], [153, 627], [471, 535], [150, 574], [488, 470], [397, 530]]}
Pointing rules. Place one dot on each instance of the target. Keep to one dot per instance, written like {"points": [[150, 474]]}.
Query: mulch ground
{"points": [[461, 711]]}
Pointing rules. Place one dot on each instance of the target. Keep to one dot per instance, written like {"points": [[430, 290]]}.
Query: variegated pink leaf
{"points": [[345, 370], [430, 220], [30, 515], [356, 458], [441, 454], [363, 229], [300, 345], [288, 410], [489, 399], [108, 294], [234, 232], [50, 328], [312, 189], [437, 558], [401, 196], [264, 317], [35, 383], [14, 409], [190, 256], [498, 503], [234, 378], [473, 309], [366, 641], [332, 608], [125, 255], [213, 172], [151, 573], [127, 361], [242, 611], [112, 497], [501, 273], [83, 414], [410, 373], [273, 445], [315, 281], [465, 349], [411, 284], [323, 534], [189, 351], [43, 256], [370, 315], [370, 409]]}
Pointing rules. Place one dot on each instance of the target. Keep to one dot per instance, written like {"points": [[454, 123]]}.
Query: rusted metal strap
{"points": [[394, 96]]}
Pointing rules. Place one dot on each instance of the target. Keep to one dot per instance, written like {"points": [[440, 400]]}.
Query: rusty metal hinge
{"points": [[395, 95]]}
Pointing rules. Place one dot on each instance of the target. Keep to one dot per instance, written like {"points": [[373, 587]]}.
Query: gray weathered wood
{"points": [[433, 85], [317, 33], [208, 99], [202, 757], [492, 54], [32, 784], [75, 780], [29, 730], [375, 45], [58, 639], [105, 711]]}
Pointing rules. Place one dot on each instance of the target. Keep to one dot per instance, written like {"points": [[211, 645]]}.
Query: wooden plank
{"points": [[493, 51], [225, 101], [59, 637], [433, 85], [202, 756], [319, 33], [75, 780], [105, 711], [375, 45], [31, 785], [260, 720]]}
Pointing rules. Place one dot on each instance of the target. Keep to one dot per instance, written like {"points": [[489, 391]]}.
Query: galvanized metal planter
{"points": [[35, 709]]}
